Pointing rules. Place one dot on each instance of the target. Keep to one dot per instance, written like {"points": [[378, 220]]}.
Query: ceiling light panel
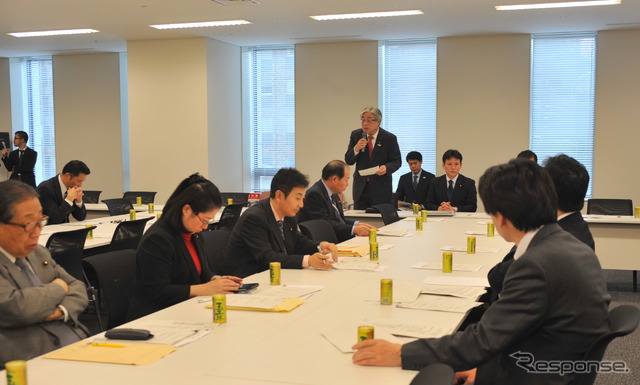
{"points": [[53, 33], [567, 4], [201, 24], [346, 16]]}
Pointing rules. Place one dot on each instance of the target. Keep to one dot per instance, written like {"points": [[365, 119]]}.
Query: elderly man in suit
{"points": [[452, 191], [372, 146], [543, 313], [268, 232], [62, 194], [21, 161], [413, 186], [39, 301], [322, 202]]}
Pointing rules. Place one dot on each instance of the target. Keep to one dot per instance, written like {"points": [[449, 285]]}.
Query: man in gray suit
{"points": [[39, 301], [544, 314]]}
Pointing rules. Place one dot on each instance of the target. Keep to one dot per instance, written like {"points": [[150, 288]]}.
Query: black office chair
{"points": [[67, 249], [128, 234], [622, 321], [389, 213], [91, 196], [319, 230], [229, 217], [434, 374], [113, 274], [147, 196], [610, 206], [216, 243], [238, 198], [118, 206]]}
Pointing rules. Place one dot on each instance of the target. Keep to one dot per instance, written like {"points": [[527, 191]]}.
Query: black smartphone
{"points": [[247, 288]]}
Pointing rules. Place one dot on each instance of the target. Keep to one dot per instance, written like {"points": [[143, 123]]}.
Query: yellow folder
{"points": [[127, 353]]}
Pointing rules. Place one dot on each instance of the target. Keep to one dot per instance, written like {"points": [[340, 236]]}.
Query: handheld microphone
{"points": [[364, 136]]}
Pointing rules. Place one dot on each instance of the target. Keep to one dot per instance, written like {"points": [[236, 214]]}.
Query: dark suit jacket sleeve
{"points": [[349, 156], [315, 207], [31, 305], [58, 213], [498, 272], [8, 161], [255, 233], [395, 159], [400, 193], [523, 303], [432, 201], [155, 261], [470, 203]]}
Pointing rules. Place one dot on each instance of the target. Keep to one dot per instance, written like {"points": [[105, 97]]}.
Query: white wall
{"points": [[5, 108], [87, 117], [334, 82], [616, 166]]}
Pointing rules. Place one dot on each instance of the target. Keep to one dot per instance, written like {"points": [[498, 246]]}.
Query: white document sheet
{"points": [[440, 303], [403, 291], [351, 263], [369, 171], [471, 267], [456, 280], [463, 249], [468, 292]]}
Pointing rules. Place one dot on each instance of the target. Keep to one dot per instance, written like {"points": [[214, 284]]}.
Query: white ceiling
{"points": [[283, 21]]}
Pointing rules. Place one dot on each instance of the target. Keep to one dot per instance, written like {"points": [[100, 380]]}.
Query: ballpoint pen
{"points": [[107, 345]]}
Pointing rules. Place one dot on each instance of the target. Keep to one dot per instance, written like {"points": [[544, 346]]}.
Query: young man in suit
{"points": [[372, 146], [21, 161], [571, 181], [39, 301], [452, 191], [322, 202], [538, 316], [268, 232], [413, 186], [62, 194]]}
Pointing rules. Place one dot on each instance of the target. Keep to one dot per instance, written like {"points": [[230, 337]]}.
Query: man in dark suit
{"points": [[413, 186], [571, 181], [268, 232], [39, 301], [62, 194], [21, 161], [452, 191], [372, 146], [537, 317], [322, 202]]}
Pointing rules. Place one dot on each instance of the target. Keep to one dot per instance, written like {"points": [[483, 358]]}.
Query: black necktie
{"points": [[415, 182], [62, 330], [281, 227], [450, 191], [21, 153]]}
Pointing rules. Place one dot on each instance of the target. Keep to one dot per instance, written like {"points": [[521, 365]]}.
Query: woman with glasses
{"points": [[171, 264]]}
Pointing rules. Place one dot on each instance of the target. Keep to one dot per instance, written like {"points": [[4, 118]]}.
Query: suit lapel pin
{"points": [[379, 144], [45, 263]]}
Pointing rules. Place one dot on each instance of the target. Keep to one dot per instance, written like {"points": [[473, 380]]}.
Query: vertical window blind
{"points": [[408, 78], [563, 69], [270, 84]]}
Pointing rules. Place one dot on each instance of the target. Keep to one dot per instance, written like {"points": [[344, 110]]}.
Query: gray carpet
{"points": [[620, 285]]}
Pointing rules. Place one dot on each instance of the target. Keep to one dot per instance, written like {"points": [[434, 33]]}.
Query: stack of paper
{"points": [[456, 266], [261, 303], [440, 303], [463, 249], [353, 251], [346, 263], [392, 232], [468, 292], [133, 353]]}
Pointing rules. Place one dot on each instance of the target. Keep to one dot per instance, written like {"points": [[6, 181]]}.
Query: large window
{"points": [[563, 69], [408, 98], [32, 109], [269, 90]]}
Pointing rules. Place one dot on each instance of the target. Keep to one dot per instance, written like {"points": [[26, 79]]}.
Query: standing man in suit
{"points": [[537, 316], [21, 161], [322, 202], [372, 146], [268, 232], [39, 301], [62, 194], [571, 181], [452, 191], [413, 186]]}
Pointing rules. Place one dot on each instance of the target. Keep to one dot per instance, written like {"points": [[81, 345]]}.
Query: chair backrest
{"points": [[622, 321], [434, 374], [230, 216], [118, 206], [389, 213], [147, 196], [113, 274], [91, 196], [238, 197], [319, 230], [265, 195], [67, 247], [128, 234], [610, 206], [216, 243]]}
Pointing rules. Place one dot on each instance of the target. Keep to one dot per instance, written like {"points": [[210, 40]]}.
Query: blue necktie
{"points": [[335, 202], [450, 191], [415, 182]]}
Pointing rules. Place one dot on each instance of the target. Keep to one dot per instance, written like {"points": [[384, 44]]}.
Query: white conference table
{"points": [[97, 210], [288, 348]]}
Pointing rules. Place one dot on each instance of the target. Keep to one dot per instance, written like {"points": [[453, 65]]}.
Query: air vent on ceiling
{"points": [[237, 2]]}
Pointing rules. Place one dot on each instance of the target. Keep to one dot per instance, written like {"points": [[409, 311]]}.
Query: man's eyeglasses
{"points": [[29, 227], [368, 120]]}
